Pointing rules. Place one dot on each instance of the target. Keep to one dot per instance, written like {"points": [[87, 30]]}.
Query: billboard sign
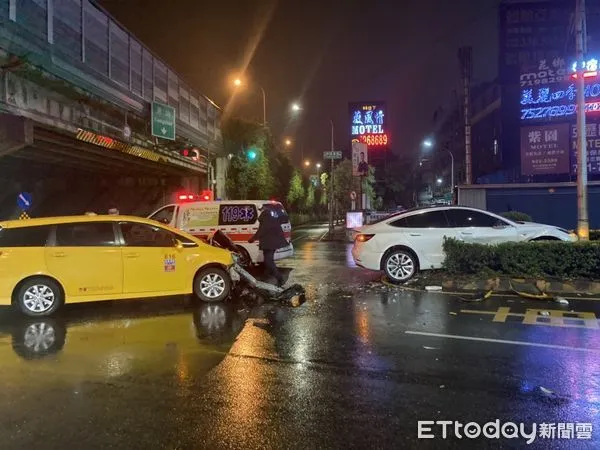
{"points": [[545, 72], [368, 124], [592, 133], [530, 33], [360, 159], [545, 149], [557, 101]]}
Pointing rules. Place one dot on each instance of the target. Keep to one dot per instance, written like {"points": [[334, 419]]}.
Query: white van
{"points": [[236, 218]]}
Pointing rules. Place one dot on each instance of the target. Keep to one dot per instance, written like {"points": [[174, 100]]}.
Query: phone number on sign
{"points": [[374, 139]]}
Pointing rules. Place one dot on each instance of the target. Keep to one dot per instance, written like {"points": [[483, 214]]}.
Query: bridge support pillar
{"points": [[193, 184], [15, 133]]}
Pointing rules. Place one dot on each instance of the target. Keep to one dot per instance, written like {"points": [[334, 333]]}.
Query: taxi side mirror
{"points": [[178, 244]]}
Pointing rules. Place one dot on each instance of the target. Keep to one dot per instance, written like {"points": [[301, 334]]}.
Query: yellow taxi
{"points": [[47, 262]]}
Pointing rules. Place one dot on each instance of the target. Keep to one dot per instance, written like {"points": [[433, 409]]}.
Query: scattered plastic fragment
{"points": [[433, 288], [544, 313], [477, 296], [561, 300], [430, 348], [452, 313]]}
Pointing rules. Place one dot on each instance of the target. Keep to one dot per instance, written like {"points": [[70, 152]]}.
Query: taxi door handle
{"points": [[59, 254], [131, 255]]}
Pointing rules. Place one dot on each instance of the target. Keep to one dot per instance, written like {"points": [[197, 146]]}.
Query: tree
{"points": [[251, 148], [324, 192], [282, 170], [309, 203], [296, 193], [344, 183], [399, 183]]}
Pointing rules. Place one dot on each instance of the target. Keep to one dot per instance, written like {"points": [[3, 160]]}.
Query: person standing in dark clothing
{"points": [[270, 238]]}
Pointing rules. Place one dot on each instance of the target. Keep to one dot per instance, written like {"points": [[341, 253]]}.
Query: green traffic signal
{"points": [[251, 155]]}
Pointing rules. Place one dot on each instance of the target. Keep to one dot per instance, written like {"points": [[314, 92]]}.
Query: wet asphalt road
{"points": [[356, 366]]}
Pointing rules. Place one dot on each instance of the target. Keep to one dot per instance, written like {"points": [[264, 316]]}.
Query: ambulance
{"points": [[236, 218]]}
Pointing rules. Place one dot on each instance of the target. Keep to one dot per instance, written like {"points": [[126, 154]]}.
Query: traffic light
{"points": [[251, 154], [191, 153]]}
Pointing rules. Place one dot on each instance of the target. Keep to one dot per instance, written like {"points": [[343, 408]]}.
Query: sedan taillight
{"points": [[363, 237]]}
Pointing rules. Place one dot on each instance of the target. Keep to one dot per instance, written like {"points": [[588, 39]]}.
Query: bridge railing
{"points": [[82, 32]]}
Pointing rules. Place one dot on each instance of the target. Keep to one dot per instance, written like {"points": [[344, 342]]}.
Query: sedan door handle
{"points": [[466, 233], [131, 255], [415, 234], [59, 254]]}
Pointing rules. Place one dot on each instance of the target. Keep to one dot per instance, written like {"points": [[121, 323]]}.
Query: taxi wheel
{"points": [[212, 285], [39, 297]]}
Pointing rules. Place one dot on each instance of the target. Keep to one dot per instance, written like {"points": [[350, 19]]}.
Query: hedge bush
{"points": [[527, 259], [517, 216]]}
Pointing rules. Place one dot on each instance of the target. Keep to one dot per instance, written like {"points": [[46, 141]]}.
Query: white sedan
{"points": [[412, 240]]}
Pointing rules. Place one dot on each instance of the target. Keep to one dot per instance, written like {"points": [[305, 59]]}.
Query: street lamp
{"points": [[318, 165], [296, 107], [238, 83], [307, 163], [428, 143], [439, 181], [288, 142]]}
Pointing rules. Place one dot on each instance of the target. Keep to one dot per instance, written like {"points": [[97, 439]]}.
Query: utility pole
{"points": [[465, 56], [583, 227], [264, 99], [451, 174], [331, 187]]}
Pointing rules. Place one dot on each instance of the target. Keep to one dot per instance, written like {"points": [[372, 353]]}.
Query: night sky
{"points": [[322, 54]]}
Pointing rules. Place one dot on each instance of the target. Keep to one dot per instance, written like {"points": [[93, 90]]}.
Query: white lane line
{"points": [[300, 237], [502, 341]]}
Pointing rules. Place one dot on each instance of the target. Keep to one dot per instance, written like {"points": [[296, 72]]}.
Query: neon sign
{"points": [[557, 102], [589, 67], [551, 95], [373, 140], [546, 72], [556, 111], [368, 124]]}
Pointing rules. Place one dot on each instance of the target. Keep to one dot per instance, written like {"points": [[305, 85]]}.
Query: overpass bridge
{"points": [[90, 118]]}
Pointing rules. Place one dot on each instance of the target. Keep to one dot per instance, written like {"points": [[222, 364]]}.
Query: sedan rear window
{"points": [[428, 219]]}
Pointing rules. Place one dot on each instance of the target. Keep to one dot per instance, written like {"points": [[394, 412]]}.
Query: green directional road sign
{"points": [[332, 155], [163, 121]]}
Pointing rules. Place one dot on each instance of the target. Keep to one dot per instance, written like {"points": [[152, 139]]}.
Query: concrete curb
{"points": [[503, 285]]}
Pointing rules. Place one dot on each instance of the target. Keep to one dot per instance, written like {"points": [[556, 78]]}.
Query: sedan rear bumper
{"points": [[366, 259]]}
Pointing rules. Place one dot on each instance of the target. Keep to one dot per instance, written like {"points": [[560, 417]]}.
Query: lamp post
{"points": [[428, 143], [331, 185], [238, 83]]}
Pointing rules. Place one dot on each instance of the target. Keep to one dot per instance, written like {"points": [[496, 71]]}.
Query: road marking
{"points": [[548, 317], [324, 234], [501, 341], [299, 237]]}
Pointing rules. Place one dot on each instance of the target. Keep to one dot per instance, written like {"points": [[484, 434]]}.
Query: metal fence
{"points": [[80, 30]]}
